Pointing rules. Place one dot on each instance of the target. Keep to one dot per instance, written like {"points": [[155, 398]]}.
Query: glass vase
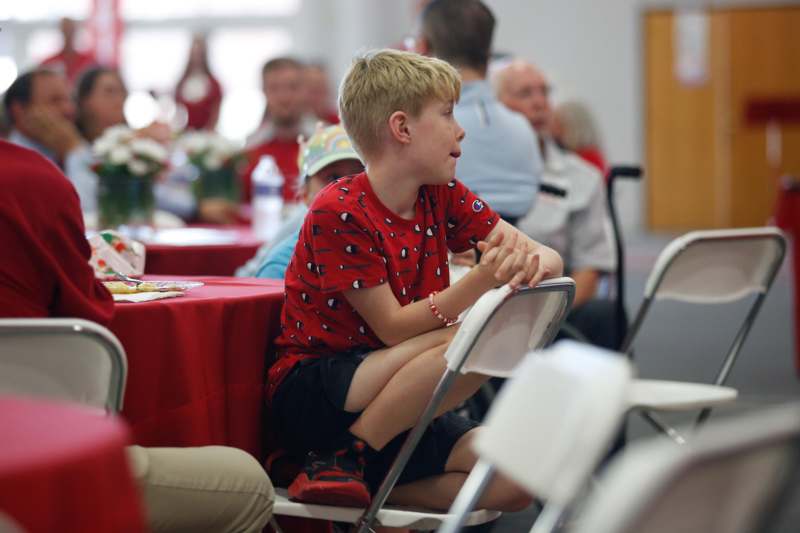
{"points": [[125, 200], [220, 183]]}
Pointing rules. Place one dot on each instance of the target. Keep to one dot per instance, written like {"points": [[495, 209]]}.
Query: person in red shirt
{"points": [[45, 273], [69, 61], [318, 93], [198, 90], [367, 296], [285, 119]]}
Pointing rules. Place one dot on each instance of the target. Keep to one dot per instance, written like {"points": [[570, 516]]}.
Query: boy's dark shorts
{"points": [[308, 410]]}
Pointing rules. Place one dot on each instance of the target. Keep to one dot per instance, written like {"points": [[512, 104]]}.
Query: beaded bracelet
{"points": [[437, 313]]}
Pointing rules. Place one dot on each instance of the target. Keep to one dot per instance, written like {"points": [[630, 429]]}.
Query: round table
{"points": [[64, 468], [197, 363], [200, 251]]}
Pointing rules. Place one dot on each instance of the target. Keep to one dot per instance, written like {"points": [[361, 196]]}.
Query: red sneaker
{"points": [[334, 478]]}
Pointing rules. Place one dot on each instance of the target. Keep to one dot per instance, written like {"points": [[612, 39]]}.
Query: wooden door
{"points": [[706, 163]]}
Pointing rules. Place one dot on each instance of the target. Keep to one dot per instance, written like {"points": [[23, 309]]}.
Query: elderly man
{"points": [[570, 213], [500, 156]]}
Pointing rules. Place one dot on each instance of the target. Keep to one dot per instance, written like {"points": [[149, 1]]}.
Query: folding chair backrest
{"points": [[62, 358], [717, 266], [504, 325], [723, 481], [552, 423]]}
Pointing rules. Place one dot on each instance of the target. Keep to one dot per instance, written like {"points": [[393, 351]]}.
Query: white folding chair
{"points": [[723, 481], [705, 267], [549, 428], [62, 358], [495, 335]]}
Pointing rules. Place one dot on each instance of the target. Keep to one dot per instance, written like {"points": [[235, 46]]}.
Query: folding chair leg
{"points": [[663, 427], [366, 521], [702, 417], [549, 519], [467, 498]]}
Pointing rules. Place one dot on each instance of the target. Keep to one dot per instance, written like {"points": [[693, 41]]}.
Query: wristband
{"points": [[437, 313]]}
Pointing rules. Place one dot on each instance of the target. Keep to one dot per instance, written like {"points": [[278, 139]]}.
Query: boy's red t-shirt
{"points": [[351, 240]]}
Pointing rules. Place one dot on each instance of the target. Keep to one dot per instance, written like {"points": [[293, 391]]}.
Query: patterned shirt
{"points": [[350, 240]]}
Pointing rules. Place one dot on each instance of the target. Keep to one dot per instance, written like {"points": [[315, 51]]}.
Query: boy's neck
{"points": [[394, 186]]}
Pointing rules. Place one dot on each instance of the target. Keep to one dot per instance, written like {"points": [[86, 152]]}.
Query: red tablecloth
{"points": [[64, 468], [202, 259], [196, 364], [787, 217]]}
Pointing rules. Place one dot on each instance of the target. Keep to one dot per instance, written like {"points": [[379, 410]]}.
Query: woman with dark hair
{"points": [[100, 97], [100, 100], [198, 91]]}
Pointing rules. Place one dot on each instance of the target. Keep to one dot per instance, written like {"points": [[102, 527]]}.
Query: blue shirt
{"points": [[277, 260], [500, 159]]}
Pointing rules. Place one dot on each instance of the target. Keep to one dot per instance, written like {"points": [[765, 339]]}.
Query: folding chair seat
{"points": [[494, 336], [64, 358], [729, 479], [705, 268], [549, 428]]}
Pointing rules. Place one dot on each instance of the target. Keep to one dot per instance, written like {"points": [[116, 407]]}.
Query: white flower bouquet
{"points": [[127, 165], [120, 151], [217, 162]]}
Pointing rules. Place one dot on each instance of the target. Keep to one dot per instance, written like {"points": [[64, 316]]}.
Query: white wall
{"points": [[590, 51], [589, 47]]}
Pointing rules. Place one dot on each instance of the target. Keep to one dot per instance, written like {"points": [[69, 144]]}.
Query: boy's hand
{"points": [[500, 260], [511, 261]]}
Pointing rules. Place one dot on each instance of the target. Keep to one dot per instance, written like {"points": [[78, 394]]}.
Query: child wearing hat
{"points": [[327, 156]]}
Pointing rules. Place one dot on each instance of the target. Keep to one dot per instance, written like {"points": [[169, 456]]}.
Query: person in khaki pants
{"points": [[45, 273], [204, 489]]}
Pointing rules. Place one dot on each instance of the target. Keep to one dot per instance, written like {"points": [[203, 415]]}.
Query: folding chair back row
{"points": [[495, 335], [727, 480], [706, 268], [62, 358]]}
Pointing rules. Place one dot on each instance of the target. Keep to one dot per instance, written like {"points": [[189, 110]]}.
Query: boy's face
{"points": [[436, 141]]}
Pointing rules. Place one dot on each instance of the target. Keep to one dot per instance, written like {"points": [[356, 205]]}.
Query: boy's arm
{"points": [[394, 323]]}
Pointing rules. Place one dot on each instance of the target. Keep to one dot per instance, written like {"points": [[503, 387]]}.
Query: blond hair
{"points": [[381, 82]]}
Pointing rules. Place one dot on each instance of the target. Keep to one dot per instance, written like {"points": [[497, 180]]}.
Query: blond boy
{"points": [[368, 301]]}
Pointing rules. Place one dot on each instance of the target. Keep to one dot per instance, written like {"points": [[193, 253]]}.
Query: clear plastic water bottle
{"points": [[267, 198]]}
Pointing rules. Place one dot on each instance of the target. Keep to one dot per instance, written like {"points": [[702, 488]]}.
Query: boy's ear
{"points": [[398, 127]]}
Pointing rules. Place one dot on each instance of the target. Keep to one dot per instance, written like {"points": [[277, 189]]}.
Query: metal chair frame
{"points": [[54, 327], [667, 258], [454, 367]]}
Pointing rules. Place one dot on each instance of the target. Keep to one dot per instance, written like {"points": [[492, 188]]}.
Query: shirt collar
{"points": [[17, 137], [475, 90]]}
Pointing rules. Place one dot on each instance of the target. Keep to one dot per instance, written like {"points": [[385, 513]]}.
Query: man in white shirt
{"points": [[570, 211]]}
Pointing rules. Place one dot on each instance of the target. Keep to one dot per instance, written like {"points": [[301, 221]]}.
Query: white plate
{"points": [[193, 236]]}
